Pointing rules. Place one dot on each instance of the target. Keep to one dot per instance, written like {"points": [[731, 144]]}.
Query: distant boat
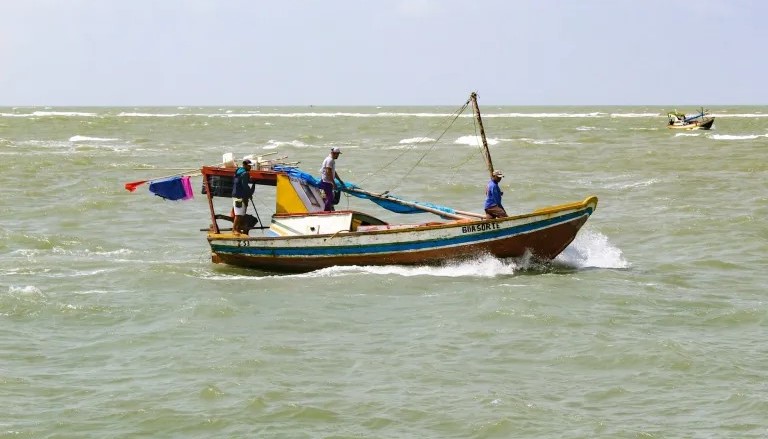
{"points": [[302, 237], [679, 121]]}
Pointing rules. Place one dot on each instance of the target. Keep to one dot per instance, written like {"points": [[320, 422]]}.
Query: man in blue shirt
{"points": [[241, 193], [493, 207]]}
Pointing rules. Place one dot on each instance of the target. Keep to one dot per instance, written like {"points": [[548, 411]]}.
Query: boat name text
{"points": [[479, 227]]}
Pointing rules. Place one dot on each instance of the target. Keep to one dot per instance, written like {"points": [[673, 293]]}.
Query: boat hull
{"points": [[543, 234]]}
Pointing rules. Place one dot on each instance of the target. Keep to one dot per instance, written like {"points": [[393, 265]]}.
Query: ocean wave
{"points": [[736, 137], [127, 114], [588, 128], [631, 185], [88, 252], [78, 138], [474, 141], [29, 291], [342, 114], [418, 140], [615, 115], [225, 113], [687, 134], [272, 144], [285, 115], [544, 115], [746, 115], [50, 114], [545, 141]]}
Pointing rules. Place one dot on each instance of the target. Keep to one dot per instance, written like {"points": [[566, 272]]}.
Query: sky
{"points": [[382, 52]]}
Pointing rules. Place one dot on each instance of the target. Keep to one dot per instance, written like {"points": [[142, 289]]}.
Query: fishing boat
{"points": [[301, 237], [701, 121]]}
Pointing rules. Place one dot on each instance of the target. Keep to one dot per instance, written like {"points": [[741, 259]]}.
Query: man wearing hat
{"points": [[241, 193], [327, 175], [493, 207]]}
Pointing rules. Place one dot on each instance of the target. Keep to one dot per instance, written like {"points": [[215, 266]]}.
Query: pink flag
{"points": [[188, 193]]}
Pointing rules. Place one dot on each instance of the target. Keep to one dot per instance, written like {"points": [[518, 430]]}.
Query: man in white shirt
{"points": [[327, 176]]}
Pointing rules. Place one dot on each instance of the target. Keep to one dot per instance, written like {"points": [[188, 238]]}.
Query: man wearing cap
{"points": [[493, 207], [327, 175], [241, 193]]}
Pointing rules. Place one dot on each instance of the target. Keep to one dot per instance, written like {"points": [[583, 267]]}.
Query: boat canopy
{"points": [[386, 200]]}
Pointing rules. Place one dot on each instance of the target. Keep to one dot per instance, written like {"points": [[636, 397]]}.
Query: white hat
{"points": [[248, 162], [497, 173], [336, 149]]}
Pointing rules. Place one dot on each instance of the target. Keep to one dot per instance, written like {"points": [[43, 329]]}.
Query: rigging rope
{"points": [[455, 115], [471, 154]]}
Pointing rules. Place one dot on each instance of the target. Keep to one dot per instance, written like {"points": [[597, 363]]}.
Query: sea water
{"points": [[653, 323]]}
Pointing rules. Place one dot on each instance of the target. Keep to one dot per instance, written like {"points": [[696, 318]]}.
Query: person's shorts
{"points": [[496, 212], [239, 205]]}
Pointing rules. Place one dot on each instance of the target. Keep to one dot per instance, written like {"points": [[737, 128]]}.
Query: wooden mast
{"points": [[486, 151]]}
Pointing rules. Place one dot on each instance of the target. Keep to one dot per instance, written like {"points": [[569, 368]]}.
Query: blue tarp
{"points": [[692, 118], [386, 204], [169, 188]]}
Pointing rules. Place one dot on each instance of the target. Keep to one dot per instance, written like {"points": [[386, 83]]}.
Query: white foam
{"points": [[474, 141], [400, 147], [544, 115], [127, 114], [592, 249], [544, 141], [384, 114], [78, 138], [418, 140], [50, 114], [63, 113], [27, 290], [483, 266], [616, 115], [687, 134], [271, 144], [748, 115], [631, 184], [736, 137]]}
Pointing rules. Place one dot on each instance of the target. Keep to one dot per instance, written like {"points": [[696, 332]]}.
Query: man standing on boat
{"points": [[493, 207], [241, 193], [327, 175]]}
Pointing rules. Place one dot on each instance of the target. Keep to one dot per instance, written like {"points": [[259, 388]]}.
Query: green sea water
{"points": [[652, 324]]}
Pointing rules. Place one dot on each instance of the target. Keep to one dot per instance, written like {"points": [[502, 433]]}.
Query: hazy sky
{"points": [[383, 52]]}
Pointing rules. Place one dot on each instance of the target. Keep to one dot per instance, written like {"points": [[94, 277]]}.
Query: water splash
{"points": [[482, 266], [592, 249]]}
